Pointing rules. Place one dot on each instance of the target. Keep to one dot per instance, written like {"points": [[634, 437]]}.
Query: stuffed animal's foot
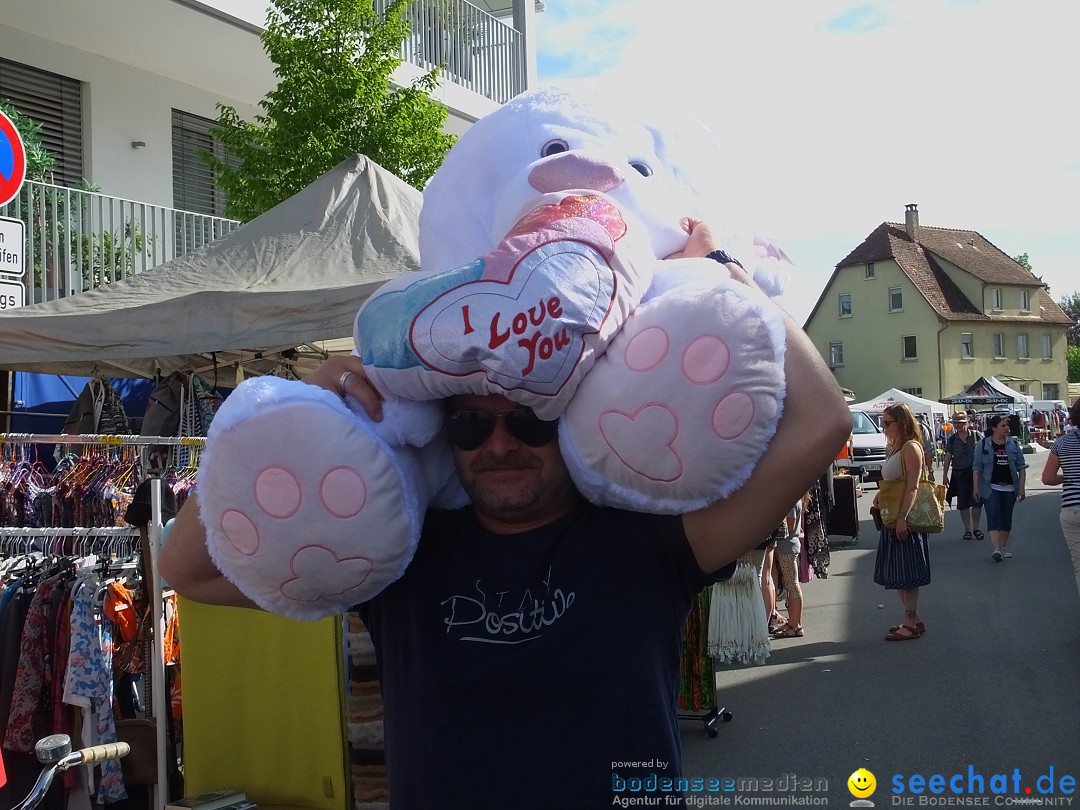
{"points": [[681, 407], [305, 509]]}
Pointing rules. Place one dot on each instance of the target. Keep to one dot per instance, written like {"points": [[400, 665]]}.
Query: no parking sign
{"points": [[12, 160]]}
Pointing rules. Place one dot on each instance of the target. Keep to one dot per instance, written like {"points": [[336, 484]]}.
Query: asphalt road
{"points": [[992, 688]]}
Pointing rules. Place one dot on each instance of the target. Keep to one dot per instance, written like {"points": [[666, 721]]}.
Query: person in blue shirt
{"points": [[1000, 475]]}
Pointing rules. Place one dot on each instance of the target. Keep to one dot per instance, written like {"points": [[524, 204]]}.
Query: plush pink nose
{"points": [[571, 170]]}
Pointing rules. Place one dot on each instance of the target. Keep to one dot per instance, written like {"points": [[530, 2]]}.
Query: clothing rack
{"points": [[159, 705], [60, 531]]}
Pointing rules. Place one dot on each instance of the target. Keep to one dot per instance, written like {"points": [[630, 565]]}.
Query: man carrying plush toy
{"points": [[528, 643]]}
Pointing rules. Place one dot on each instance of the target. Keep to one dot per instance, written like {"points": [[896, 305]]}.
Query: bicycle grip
{"points": [[100, 753]]}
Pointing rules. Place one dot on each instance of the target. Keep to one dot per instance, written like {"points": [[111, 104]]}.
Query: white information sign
{"points": [[12, 295], [12, 247]]}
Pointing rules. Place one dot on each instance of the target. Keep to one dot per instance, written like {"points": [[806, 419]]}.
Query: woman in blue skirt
{"points": [[903, 555]]}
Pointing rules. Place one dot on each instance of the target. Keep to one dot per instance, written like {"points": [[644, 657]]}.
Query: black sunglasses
{"points": [[467, 430]]}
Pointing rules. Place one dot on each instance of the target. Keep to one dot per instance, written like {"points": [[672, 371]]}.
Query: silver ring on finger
{"points": [[344, 378]]}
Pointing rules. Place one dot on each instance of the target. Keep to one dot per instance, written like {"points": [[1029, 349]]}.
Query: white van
{"points": [[1047, 405], [867, 448]]}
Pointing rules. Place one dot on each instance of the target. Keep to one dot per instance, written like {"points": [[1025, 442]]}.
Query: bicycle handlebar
{"points": [[51, 753], [96, 753]]}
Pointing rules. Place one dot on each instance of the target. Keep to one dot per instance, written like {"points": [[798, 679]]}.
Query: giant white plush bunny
{"points": [[542, 237]]}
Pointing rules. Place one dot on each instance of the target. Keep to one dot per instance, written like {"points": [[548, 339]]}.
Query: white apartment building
{"points": [[127, 90]]}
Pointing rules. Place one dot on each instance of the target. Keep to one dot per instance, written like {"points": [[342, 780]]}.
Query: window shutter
{"points": [[55, 102], [193, 179]]}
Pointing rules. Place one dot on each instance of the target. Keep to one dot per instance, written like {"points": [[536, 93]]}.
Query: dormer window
{"points": [[996, 299], [1025, 300]]}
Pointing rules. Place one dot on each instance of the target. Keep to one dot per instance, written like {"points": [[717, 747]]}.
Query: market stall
{"points": [[281, 290], [268, 292], [934, 411]]}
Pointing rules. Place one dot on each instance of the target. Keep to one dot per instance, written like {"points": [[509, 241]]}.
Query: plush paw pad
{"points": [[695, 376], [306, 522]]}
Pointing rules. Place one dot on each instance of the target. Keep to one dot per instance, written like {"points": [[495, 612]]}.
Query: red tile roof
{"points": [[969, 251]]}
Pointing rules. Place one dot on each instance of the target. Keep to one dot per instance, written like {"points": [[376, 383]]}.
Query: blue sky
{"points": [[833, 115]]}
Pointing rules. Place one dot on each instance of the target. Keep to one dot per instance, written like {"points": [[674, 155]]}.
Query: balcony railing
{"points": [[473, 48], [77, 240]]}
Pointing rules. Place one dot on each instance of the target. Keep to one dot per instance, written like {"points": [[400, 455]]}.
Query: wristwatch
{"points": [[723, 257]]}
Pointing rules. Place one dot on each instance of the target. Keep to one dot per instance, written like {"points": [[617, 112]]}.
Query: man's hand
{"points": [[344, 374], [701, 243]]}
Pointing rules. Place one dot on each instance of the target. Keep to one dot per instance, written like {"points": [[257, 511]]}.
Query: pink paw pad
{"points": [[241, 531], [706, 360], [277, 492], [318, 571], [343, 493]]}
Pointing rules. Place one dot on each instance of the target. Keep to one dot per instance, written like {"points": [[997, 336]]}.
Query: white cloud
{"points": [[966, 108]]}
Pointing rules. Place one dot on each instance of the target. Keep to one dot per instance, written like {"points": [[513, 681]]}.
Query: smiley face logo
{"points": [[862, 783]]}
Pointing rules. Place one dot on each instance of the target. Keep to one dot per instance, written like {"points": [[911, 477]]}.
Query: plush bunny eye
{"points": [[642, 168], [554, 147]]}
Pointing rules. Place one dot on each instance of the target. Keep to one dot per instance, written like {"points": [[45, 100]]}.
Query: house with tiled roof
{"points": [[929, 310]]}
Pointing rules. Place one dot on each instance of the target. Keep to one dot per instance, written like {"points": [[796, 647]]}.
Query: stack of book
{"points": [[225, 799]]}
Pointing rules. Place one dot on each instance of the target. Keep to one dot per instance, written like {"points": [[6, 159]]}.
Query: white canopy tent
{"points": [[1022, 401], [934, 410], [267, 293]]}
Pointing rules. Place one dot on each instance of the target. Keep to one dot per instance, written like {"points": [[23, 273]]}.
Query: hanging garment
{"points": [[738, 630], [697, 675], [89, 684], [30, 717], [814, 535]]}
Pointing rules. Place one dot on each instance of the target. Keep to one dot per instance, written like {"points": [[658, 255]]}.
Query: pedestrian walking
{"points": [[960, 459], [1000, 476], [1063, 467]]}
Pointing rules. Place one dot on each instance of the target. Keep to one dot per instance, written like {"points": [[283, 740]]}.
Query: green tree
{"points": [[1071, 304], [38, 160], [1023, 261], [1073, 355], [334, 98]]}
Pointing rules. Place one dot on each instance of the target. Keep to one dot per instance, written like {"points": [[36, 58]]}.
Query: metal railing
{"points": [[77, 240], [473, 48]]}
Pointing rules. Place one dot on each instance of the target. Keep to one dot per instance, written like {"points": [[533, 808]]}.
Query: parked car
{"points": [[867, 452]]}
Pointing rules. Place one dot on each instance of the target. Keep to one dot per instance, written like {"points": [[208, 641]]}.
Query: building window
{"points": [[967, 346], [999, 344], [870, 270], [55, 102], [1022, 388], [194, 187], [1022, 347], [996, 297], [836, 354], [1051, 391], [910, 350], [896, 299], [845, 305], [913, 391], [1048, 347], [1025, 300]]}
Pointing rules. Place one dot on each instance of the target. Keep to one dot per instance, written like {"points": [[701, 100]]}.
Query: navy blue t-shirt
{"points": [[526, 670]]}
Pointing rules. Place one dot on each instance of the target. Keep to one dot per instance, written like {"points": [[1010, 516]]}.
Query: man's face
{"points": [[960, 426], [508, 480]]}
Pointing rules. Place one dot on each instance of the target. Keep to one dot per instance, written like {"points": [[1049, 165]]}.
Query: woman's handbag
{"points": [[927, 513]]}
